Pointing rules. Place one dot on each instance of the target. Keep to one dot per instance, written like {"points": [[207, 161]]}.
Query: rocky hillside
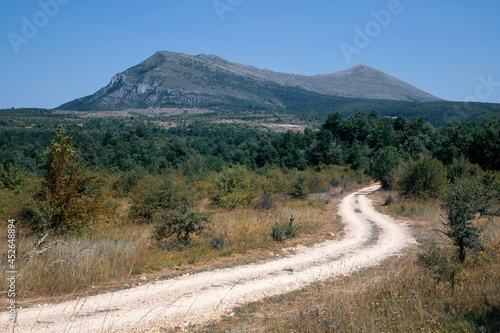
{"points": [[176, 79]]}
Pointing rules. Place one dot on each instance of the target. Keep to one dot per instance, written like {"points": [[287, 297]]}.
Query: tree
{"points": [[326, 150], [415, 147], [182, 223], [157, 195], [464, 199], [233, 188], [424, 177], [300, 189], [382, 165], [11, 177], [69, 197], [167, 202], [485, 146], [461, 168], [334, 124]]}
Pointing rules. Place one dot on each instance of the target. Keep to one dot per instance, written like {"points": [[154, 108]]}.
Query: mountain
{"points": [[176, 79], [369, 83]]}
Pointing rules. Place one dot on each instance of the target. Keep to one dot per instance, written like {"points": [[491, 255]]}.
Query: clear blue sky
{"points": [[442, 47]]}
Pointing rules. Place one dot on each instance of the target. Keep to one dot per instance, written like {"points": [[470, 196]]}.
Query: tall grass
{"points": [[72, 263], [400, 295], [119, 250], [115, 252], [241, 230]]}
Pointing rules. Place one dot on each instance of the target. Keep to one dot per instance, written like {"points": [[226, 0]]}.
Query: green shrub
{"points": [[217, 242], [291, 228], [11, 177], [383, 164], [278, 234], [155, 195], [440, 263], [283, 231], [129, 179], [233, 189], [389, 200], [300, 189], [180, 223], [423, 178], [463, 200], [460, 168]]}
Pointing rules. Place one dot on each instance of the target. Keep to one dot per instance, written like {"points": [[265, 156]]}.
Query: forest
{"points": [[147, 200], [118, 145]]}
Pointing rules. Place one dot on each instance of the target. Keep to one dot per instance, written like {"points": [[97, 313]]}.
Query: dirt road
{"points": [[193, 300]]}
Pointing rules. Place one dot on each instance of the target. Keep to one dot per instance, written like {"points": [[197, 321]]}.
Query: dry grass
{"points": [[65, 265], [118, 254], [242, 230], [397, 296], [400, 295], [426, 216]]}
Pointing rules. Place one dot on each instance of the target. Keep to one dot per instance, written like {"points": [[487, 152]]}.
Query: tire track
{"points": [[369, 238]]}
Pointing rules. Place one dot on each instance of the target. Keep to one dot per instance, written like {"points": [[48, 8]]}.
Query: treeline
{"points": [[361, 140]]}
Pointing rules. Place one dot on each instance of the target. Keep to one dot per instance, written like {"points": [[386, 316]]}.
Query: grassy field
{"points": [[118, 252], [403, 294]]}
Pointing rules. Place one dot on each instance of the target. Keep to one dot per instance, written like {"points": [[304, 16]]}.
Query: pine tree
{"points": [[462, 202], [69, 197]]}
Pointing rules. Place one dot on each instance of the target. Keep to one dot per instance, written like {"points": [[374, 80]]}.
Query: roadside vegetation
{"points": [[439, 286], [90, 228], [101, 204]]}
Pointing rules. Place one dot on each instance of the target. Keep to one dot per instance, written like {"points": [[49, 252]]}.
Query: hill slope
{"points": [[176, 79]]}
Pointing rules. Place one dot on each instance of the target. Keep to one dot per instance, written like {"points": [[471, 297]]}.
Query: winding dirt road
{"points": [[193, 300]]}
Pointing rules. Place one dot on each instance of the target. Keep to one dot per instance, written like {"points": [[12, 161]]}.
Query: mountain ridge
{"points": [[177, 79]]}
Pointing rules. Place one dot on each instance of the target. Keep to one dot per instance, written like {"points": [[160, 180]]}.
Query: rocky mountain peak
{"points": [[178, 79]]}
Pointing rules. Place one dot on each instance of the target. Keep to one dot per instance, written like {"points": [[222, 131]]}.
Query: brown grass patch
{"points": [[119, 255], [399, 295]]}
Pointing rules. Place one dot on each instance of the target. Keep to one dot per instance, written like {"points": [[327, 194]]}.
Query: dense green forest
{"points": [[123, 145]]}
